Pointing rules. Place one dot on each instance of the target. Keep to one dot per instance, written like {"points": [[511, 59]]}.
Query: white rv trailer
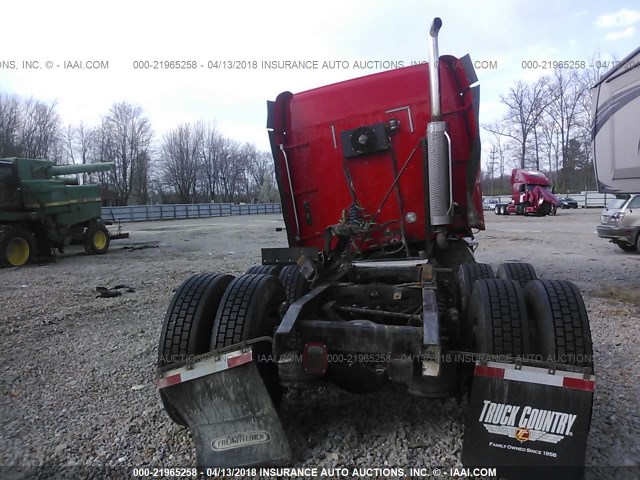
{"points": [[615, 134]]}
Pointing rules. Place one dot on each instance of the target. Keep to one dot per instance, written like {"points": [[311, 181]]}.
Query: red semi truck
{"points": [[380, 183], [531, 195]]}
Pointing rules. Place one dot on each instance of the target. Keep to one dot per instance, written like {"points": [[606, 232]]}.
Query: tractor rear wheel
{"points": [[96, 240], [250, 309], [522, 273], [295, 283], [17, 246], [468, 273], [498, 314], [264, 270], [562, 333], [188, 323]]}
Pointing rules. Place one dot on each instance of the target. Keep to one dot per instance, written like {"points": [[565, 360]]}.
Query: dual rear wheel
{"points": [[519, 314], [211, 311], [547, 319]]}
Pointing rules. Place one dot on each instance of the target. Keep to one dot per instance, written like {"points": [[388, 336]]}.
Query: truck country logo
{"points": [[526, 423], [241, 439]]}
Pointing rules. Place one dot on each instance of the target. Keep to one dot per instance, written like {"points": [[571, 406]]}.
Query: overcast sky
{"points": [[506, 32]]}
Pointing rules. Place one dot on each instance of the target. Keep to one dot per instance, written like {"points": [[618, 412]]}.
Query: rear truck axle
{"points": [[376, 289], [369, 340]]}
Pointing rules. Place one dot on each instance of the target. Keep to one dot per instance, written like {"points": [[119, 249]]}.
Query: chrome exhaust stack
{"points": [[438, 146]]}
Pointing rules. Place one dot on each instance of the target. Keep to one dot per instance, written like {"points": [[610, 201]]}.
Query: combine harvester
{"points": [[380, 181], [41, 210], [531, 195]]}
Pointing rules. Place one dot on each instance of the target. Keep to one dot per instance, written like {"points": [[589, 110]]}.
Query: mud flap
{"points": [[528, 422], [229, 411]]}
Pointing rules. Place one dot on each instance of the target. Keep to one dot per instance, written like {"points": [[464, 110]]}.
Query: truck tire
{"points": [[264, 270], [295, 284], [468, 273], [250, 309], [17, 246], [497, 210], [96, 240], [561, 331], [188, 323], [498, 314], [522, 273]]}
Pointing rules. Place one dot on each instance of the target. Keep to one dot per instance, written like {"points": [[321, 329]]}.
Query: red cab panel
{"points": [[322, 171]]}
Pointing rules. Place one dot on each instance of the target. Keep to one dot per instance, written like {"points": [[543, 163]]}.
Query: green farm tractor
{"points": [[41, 210]]}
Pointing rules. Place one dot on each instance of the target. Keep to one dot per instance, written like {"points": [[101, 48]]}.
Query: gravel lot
{"points": [[76, 382]]}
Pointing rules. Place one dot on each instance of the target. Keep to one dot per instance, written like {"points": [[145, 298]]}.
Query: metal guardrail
{"points": [[147, 213]]}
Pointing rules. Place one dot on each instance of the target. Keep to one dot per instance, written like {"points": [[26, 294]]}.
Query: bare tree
{"points": [[40, 130], [527, 104], [231, 169], [567, 92], [181, 159], [212, 146], [550, 146], [125, 138], [261, 169], [141, 177], [10, 120], [249, 156]]}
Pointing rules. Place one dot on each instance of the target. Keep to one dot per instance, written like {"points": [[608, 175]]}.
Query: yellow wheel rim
{"points": [[18, 251], [99, 240]]}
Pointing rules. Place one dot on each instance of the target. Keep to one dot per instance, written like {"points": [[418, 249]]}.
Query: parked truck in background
{"points": [[43, 210], [531, 195]]}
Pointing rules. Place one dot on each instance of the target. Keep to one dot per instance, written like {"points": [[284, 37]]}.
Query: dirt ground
{"points": [[76, 381]]}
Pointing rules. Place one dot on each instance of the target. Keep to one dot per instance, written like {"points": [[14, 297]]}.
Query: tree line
{"points": [[193, 162], [547, 127]]}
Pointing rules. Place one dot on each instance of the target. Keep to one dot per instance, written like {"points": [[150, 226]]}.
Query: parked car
{"points": [[489, 203], [620, 222], [568, 202]]}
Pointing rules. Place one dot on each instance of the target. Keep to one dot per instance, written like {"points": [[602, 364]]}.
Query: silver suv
{"points": [[620, 222]]}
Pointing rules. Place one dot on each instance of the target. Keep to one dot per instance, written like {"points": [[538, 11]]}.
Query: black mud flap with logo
{"points": [[229, 411], [528, 422]]}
